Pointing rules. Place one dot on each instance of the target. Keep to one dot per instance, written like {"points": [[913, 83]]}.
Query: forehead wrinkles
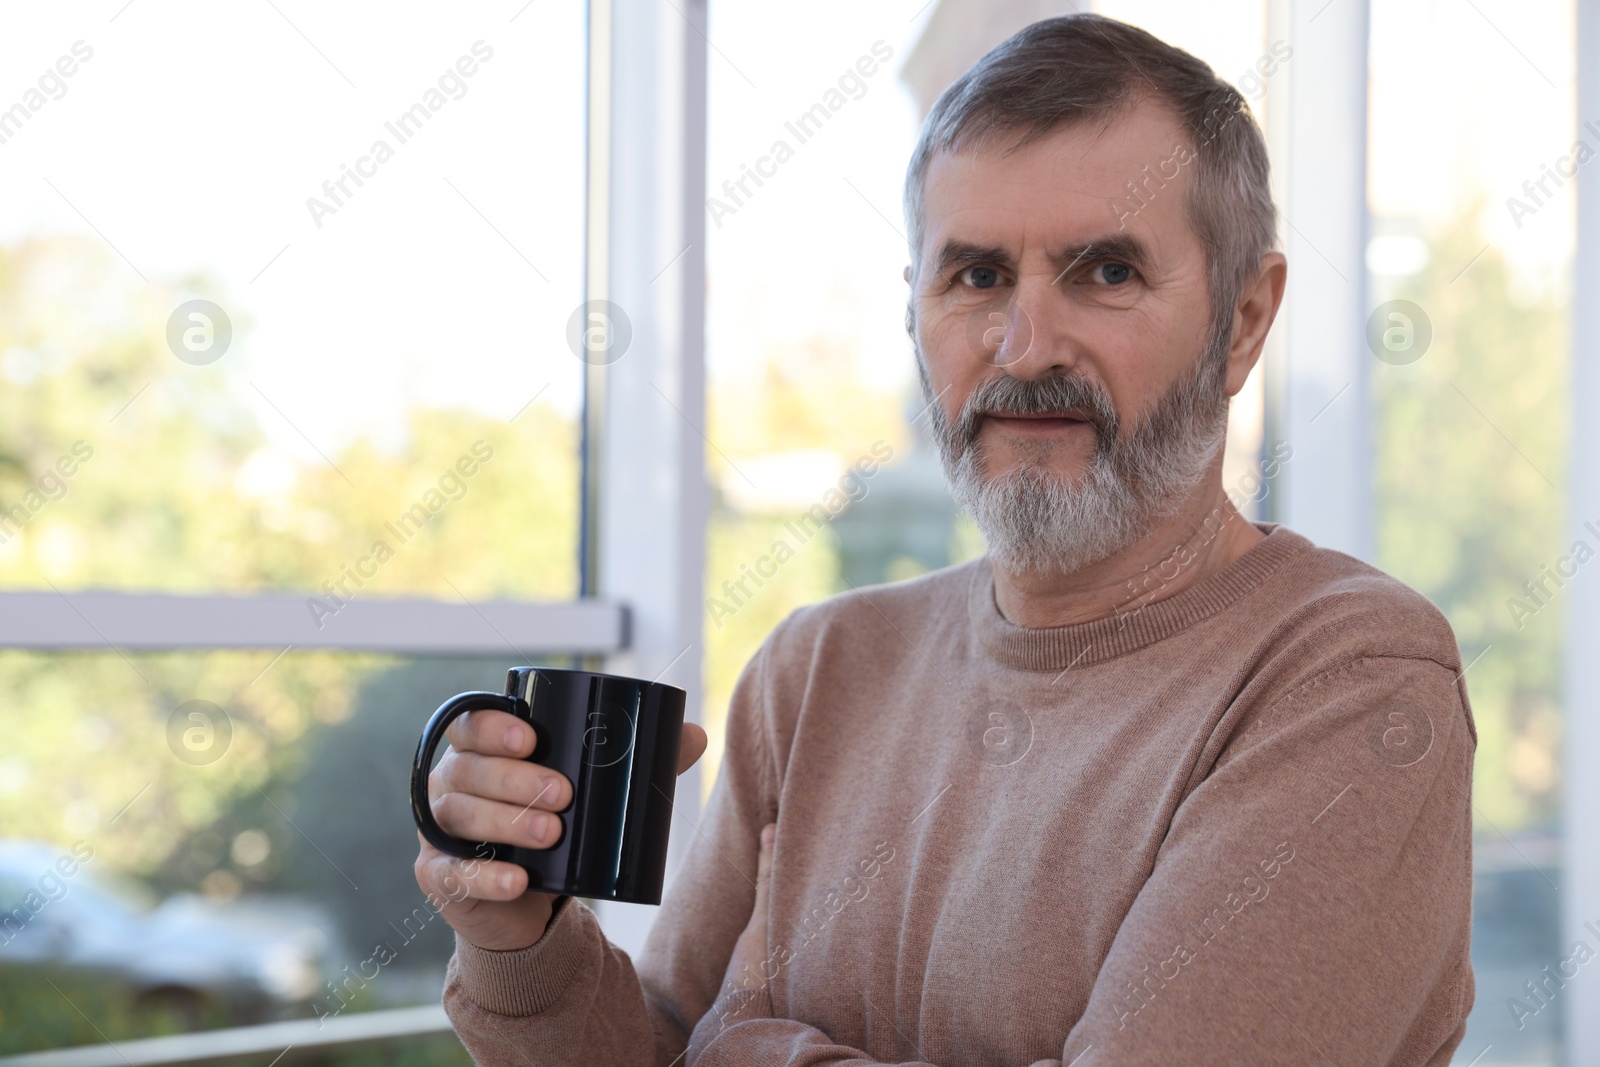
{"points": [[1008, 198], [1054, 204]]}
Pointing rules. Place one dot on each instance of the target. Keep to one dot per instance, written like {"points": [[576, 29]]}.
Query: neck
{"points": [[1200, 538]]}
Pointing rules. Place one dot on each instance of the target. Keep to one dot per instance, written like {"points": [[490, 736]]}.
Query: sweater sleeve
{"points": [[573, 997], [1311, 900], [740, 1030]]}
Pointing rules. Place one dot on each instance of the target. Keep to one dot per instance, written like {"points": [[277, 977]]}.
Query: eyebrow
{"points": [[1119, 246]]}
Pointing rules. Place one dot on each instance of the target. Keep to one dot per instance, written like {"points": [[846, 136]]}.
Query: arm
{"points": [[1313, 890], [745, 999], [574, 998], [739, 1030], [1311, 901]]}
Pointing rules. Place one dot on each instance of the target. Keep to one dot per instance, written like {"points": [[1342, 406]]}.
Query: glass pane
{"points": [[1471, 434], [284, 298], [809, 367], [194, 840]]}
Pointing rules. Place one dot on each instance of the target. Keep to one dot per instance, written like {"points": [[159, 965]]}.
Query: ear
{"points": [[1258, 306]]}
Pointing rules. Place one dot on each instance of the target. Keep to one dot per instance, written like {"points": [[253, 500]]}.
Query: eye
{"points": [[980, 277], [1111, 273]]}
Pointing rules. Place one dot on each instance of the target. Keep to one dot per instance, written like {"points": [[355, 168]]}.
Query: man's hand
{"points": [[485, 789], [749, 967]]}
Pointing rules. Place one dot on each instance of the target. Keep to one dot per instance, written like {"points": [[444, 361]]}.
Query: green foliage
{"points": [[183, 489], [173, 498], [50, 1008], [803, 394], [735, 541], [1472, 471]]}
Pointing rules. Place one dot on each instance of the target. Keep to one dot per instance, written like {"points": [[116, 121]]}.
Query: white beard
{"points": [[1036, 520]]}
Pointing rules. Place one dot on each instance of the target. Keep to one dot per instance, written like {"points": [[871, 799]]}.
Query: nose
{"points": [[1009, 334], [1027, 337]]}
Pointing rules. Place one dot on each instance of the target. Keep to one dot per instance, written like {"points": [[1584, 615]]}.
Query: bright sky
{"points": [[193, 136]]}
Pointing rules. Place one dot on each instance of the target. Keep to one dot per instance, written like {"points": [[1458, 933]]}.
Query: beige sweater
{"points": [[1232, 827]]}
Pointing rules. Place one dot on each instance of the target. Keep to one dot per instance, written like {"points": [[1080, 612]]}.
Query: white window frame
{"points": [[645, 496], [1580, 869], [1318, 364]]}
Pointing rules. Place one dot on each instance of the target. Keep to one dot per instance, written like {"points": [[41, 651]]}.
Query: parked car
{"points": [[254, 956]]}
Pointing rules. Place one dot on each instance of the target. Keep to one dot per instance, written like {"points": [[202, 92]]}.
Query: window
{"points": [[287, 303], [284, 352], [1475, 271]]}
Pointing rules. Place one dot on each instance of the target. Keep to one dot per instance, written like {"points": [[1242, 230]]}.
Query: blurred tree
{"points": [[1472, 463], [183, 490], [357, 779], [796, 395]]}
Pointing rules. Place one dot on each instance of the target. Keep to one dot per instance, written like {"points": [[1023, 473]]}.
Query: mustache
{"points": [[1050, 395]]}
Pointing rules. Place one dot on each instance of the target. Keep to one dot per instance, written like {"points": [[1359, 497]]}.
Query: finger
{"points": [[513, 781], [491, 733], [476, 819], [691, 746], [452, 880]]}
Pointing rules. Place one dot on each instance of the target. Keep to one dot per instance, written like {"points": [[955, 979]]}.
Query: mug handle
{"points": [[432, 734]]}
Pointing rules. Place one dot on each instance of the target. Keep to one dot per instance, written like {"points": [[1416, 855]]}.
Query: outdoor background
{"points": [[376, 343]]}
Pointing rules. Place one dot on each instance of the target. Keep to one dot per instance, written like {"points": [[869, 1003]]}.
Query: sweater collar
{"points": [[1055, 648]]}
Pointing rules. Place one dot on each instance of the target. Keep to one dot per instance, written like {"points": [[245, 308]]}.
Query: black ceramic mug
{"points": [[616, 740]]}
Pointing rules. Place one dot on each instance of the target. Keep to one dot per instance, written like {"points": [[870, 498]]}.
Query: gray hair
{"points": [[1077, 68]]}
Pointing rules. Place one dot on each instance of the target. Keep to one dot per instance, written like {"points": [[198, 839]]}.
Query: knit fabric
{"points": [[1230, 827]]}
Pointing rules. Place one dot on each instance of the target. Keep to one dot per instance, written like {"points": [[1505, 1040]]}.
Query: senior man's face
{"points": [[1064, 336]]}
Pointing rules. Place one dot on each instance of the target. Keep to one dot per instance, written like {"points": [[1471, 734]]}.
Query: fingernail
{"points": [[768, 832], [505, 881], [514, 737]]}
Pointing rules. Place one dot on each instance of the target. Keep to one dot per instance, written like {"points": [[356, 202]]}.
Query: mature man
{"points": [[1147, 784]]}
